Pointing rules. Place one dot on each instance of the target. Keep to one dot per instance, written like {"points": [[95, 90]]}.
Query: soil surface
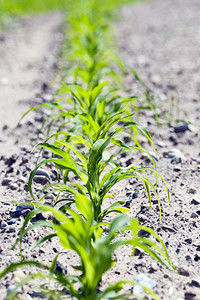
{"points": [[160, 40]]}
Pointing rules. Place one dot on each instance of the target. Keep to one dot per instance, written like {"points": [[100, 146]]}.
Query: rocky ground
{"points": [[160, 40]]}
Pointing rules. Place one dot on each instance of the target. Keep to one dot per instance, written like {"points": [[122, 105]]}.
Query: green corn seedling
{"points": [[80, 233]]}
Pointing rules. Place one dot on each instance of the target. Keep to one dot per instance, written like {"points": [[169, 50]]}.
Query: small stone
{"points": [[49, 196], [142, 218], [135, 195], [12, 221], [14, 186], [3, 224], [42, 172], [6, 181], [167, 228], [176, 160], [21, 207], [5, 127], [195, 202], [172, 153], [194, 215], [195, 282], [129, 161], [162, 97], [11, 288], [41, 250], [138, 252], [192, 190], [143, 233], [182, 271], [156, 80], [25, 159], [11, 160], [128, 203], [188, 257], [133, 181], [40, 179], [18, 275], [181, 128], [172, 240], [11, 229], [59, 268], [153, 268], [188, 241], [161, 144], [176, 169], [3, 138], [189, 295], [145, 281], [145, 157], [196, 257], [128, 187]]}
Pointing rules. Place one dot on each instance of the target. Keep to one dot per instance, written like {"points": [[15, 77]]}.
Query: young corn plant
{"points": [[90, 109], [78, 232], [96, 166]]}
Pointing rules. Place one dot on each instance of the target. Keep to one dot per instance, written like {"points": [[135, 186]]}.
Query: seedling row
{"points": [[93, 122]]}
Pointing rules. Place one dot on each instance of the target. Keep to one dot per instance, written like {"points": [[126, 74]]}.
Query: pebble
{"points": [[192, 190], [145, 281], [161, 144], [189, 295], [176, 155], [182, 271], [162, 97], [128, 187], [18, 275], [11, 288], [188, 257], [135, 195], [14, 186], [40, 179], [12, 221], [196, 257], [129, 161], [153, 268], [3, 224], [6, 181], [3, 138], [59, 268], [194, 215], [188, 241], [146, 158], [195, 202], [11, 160], [5, 127], [156, 80], [11, 229], [23, 206], [143, 233], [176, 160], [42, 172], [41, 250], [195, 282], [142, 218], [171, 240], [133, 181], [128, 203], [181, 128]]}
